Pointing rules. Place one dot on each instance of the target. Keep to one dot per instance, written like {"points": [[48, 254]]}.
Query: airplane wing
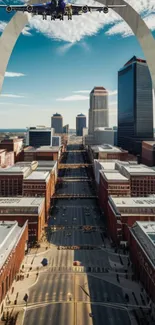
{"points": [[98, 8], [28, 8]]}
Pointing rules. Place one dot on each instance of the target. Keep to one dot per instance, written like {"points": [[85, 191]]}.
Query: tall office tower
{"points": [[66, 128], [98, 112], [57, 123], [80, 124], [39, 136], [135, 105]]}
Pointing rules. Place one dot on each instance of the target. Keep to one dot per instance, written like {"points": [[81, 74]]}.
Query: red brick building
{"points": [[2, 157], [123, 212], [148, 153], [6, 158], [112, 183], [44, 166], [42, 153], [13, 241], [141, 177], [22, 209], [52, 168], [12, 144], [38, 184], [142, 254], [11, 180]]}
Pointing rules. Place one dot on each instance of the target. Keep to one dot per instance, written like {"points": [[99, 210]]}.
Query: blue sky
{"points": [[54, 65]]}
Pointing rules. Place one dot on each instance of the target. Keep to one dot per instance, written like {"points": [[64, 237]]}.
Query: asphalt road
{"points": [[76, 238], [73, 213], [74, 158], [76, 172], [82, 287], [76, 313], [72, 188]]}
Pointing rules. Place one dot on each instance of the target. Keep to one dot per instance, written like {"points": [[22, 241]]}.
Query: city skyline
{"points": [[52, 70]]}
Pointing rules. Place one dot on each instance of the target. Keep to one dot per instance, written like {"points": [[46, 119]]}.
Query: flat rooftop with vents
{"points": [[138, 170], [106, 148], [38, 176], [134, 201], [16, 170], [10, 234], [42, 149], [22, 205], [144, 233], [114, 176]]}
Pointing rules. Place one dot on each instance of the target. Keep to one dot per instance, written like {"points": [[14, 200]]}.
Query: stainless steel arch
{"points": [[15, 26]]}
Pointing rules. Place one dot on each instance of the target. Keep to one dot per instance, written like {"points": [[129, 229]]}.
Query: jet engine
{"points": [[105, 10], [8, 9], [85, 9], [29, 8]]}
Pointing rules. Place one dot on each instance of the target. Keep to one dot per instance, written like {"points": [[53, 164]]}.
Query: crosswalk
{"points": [[78, 269]]}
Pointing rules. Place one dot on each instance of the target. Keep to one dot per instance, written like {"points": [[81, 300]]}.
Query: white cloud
{"points": [[61, 50], [89, 24], [123, 28], [11, 96], [112, 92], [2, 26], [14, 74], [82, 92], [80, 96], [73, 98], [74, 30], [113, 103], [26, 31]]}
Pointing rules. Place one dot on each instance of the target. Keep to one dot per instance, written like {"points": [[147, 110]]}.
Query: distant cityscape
{"points": [[77, 213]]}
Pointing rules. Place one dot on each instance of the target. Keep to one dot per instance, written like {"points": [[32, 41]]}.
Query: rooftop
{"points": [[98, 88], [47, 163], [114, 176], [15, 170], [133, 202], [81, 115], [150, 143], [57, 115], [21, 202], [38, 175], [105, 148], [135, 169], [135, 59], [109, 164], [10, 233], [144, 232], [103, 129], [43, 149], [31, 164]]}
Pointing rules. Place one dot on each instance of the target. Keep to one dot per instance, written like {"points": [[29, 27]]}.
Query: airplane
{"points": [[57, 9]]}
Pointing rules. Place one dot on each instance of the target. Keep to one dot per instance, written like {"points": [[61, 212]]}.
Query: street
{"points": [[93, 291]]}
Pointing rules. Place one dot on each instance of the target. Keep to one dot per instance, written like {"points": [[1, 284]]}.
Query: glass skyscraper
{"points": [[98, 112], [80, 124], [135, 105], [57, 123]]}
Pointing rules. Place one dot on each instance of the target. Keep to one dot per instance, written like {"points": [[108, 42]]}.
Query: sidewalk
{"points": [[19, 289]]}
